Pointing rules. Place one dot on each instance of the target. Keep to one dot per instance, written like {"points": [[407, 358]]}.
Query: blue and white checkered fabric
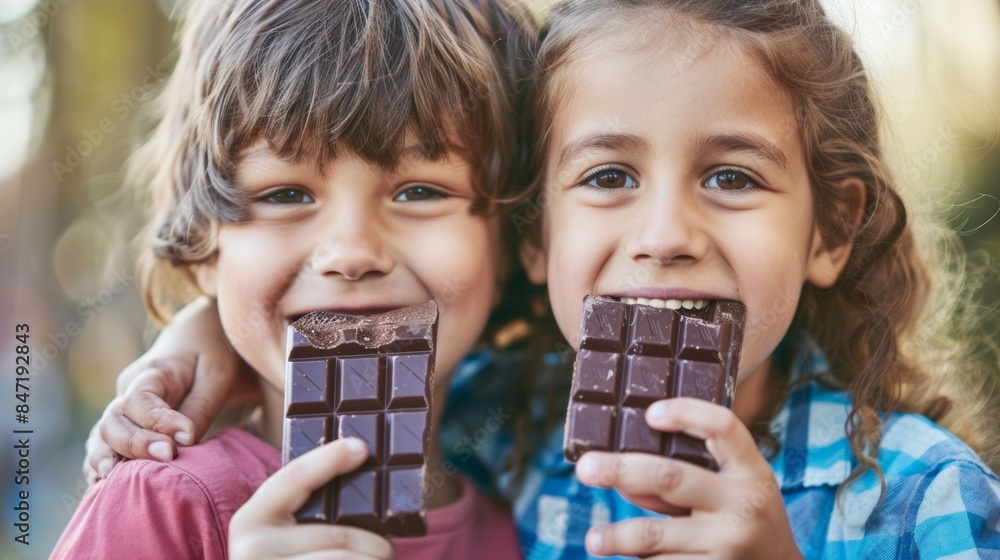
{"points": [[940, 500]]}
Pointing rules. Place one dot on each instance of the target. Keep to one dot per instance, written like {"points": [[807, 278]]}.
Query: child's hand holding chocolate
{"points": [[265, 527], [654, 383], [737, 512]]}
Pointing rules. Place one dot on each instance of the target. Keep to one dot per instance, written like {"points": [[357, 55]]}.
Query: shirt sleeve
{"points": [[958, 513], [144, 509]]}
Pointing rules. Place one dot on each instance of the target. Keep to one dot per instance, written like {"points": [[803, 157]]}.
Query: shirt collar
{"points": [[810, 428]]}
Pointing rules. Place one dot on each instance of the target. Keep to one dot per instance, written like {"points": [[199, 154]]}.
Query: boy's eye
{"points": [[730, 180], [417, 194], [289, 196], [611, 179]]}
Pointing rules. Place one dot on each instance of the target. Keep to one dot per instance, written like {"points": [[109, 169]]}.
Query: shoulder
{"points": [[227, 468], [949, 498], [918, 454], [188, 500], [233, 459], [912, 438]]}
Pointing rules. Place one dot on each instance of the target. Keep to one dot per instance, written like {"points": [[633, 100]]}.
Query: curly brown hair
{"points": [[896, 327]]}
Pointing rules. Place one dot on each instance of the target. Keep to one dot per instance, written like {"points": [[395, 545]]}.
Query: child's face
{"points": [[356, 239], [675, 171]]}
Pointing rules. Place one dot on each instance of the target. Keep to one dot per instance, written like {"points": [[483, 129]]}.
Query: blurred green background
{"points": [[74, 75]]}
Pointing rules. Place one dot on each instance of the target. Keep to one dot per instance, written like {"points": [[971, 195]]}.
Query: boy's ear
{"points": [[204, 275], [534, 261], [827, 254]]}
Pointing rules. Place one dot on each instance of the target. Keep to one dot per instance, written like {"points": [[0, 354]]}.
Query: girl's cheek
{"points": [[771, 307]]}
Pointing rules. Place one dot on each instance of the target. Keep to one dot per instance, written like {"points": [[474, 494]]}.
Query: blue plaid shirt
{"points": [[940, 500]]}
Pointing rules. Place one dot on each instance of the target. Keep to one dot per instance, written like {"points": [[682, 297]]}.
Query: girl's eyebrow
{"points": [[746, 142], [601, 142]]}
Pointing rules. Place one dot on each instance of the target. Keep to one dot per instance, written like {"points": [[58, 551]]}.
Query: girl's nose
{"points": [[353, 248], [668, 229]]}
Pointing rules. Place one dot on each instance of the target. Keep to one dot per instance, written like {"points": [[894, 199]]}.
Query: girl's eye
{"points": [[611, 179], [730, 180], [418, 194], [289, 196]]}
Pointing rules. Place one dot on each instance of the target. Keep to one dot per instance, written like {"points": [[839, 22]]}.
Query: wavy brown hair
{"points": [[316, 78], [898, 327]]}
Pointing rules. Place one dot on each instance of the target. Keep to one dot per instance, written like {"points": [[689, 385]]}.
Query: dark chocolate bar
{"points": [[632, 355], [368, 377]]}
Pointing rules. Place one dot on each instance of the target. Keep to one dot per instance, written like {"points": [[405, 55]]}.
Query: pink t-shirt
{"points": [[181, 509]]}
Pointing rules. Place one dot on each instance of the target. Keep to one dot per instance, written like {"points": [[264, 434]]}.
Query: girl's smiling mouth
{"points": [[668, 298], [668, 303]]}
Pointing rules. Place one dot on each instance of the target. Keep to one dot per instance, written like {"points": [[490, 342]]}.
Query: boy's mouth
{"points": [[345, 310]]}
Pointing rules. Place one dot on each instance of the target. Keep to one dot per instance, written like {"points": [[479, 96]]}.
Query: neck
{"points": [[442, 490], [753, 396]]}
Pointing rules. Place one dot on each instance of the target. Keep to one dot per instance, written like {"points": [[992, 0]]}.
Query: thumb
{"points": [[277, 500]]}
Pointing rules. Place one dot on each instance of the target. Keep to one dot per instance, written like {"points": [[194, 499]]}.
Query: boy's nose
{"points": [[667, 230], [353, 249]]}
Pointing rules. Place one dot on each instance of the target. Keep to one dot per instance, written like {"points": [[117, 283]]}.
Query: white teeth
{"points": [[668, 303]]}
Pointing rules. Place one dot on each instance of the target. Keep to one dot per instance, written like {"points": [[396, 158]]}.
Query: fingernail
{"points": [[657, 410], [160, 450], [586, 468], [182, 438], [594, 540], [104, 467], [356, 446]]}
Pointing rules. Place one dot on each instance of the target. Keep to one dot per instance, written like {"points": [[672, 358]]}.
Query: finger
{"points": [[657, 504], [726, 438], [144, 406], [100, 460], [647, 536], [140, 369], [127, 376], [335, 555], [134, 442], [641, 474], [168, 378], [276, 501], [212, 384], [300, 540]]}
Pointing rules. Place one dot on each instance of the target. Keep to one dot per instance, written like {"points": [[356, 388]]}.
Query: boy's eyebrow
{"points": [[746, 142], [256, 159], [417, 152], [602, 142], [256, 153]]}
